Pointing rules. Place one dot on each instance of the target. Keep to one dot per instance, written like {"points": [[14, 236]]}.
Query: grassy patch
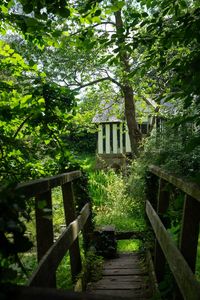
{"points": [[128, 245]]}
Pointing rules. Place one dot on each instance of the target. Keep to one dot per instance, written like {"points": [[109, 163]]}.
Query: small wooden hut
{"points": [[113, 143]]}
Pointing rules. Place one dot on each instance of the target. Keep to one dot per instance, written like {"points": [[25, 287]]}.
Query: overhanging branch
{"points": [[97, 81]]}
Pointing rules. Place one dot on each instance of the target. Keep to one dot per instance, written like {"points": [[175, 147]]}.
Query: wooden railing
{"points": [[50, 253], [182, 258]]}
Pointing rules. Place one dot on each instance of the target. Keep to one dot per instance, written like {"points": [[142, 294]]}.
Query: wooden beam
{"points": [[100, 139], [162, 206], [190, 231], [187, 283], [50, 261], [70, 215], [187, 187], [115, 138], [44, 223], [107, 138], [39, 186]]}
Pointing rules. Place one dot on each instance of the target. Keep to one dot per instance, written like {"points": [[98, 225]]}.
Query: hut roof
{"points": [[113, 111], [109, 112]]}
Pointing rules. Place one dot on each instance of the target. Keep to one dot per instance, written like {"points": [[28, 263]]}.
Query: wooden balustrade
{"points": [[50, 253], [182, 258]]}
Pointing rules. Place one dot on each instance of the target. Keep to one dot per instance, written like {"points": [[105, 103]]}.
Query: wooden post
{"points": [[162, 206], [107, 138], [70, 215], [100, 139], [151, 188], [114, 138], [190, 231], [44, 229], [88, 231]]}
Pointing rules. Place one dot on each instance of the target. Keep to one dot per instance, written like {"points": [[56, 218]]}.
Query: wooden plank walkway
{"points": [[124, 277]]}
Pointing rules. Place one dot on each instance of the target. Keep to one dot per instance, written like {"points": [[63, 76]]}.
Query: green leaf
{"points": [[97, 12]]}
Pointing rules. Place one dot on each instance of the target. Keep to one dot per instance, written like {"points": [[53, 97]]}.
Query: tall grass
{"points": [[113, 203]]}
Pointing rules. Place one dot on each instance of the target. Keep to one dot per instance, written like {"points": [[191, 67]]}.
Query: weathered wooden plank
{"points": [[109, 285], [130, 264], [188, 285], [111, 272], [124, 278], [124, 294], [189, 188], [190, 231], [39, 186], [70, 215], [54, 255], [125, 265]]}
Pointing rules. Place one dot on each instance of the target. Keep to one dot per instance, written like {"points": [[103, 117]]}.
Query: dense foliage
{"points": [[52, 50]]}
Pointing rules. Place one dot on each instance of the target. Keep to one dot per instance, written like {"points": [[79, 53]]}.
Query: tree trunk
{"points": [[130, 111], [133, 130]]}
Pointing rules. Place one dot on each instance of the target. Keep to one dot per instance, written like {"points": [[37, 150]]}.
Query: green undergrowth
{"points": [[63, 274], [129, 245], [115, 203]]}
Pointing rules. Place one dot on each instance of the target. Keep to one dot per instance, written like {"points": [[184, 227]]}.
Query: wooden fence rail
{"points": [[50, 253], [181, 259]]}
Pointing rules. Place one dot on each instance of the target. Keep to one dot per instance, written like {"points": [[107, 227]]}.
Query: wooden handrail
{"points": [[185, 279], [190, 188], [181, 258], [50, 261], [51, 253], [40, 186]]}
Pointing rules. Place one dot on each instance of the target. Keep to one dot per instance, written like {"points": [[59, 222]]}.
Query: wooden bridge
{"points": [[128, 276]]}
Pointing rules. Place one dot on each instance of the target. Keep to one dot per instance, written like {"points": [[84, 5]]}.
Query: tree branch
{"points": [[97, 81], [21, 125], [93, 26]]}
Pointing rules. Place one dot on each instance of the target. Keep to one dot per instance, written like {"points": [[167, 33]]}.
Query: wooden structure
{"points": [[128, 276], [181, 258], [49, 253], [113, 142]]}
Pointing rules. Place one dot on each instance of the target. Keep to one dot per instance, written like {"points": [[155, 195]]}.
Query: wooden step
{"points": [[123, 277]]}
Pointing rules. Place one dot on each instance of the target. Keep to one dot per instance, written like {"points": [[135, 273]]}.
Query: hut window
{"points": [[111, 138]]}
